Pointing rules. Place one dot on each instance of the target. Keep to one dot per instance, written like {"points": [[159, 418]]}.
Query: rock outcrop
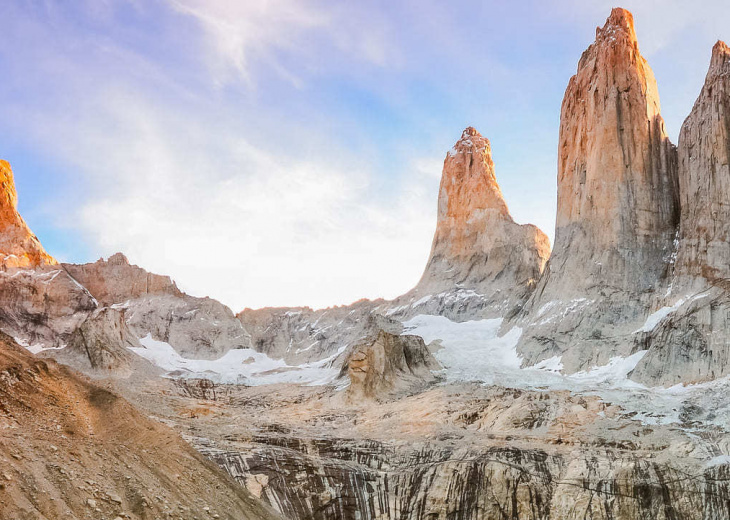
{"points": [[116, 281], [690, 343], [387, 366], [19, 247], [480, 258], [197, 328], [618, 208]]}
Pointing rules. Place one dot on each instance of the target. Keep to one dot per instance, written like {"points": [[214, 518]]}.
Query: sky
{"points": [[288, 152]]}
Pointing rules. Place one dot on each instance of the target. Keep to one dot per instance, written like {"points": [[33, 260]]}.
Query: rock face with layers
{"points": [[618, 207], [691, 343], [479, 253], [19, 247], [388, 365]]}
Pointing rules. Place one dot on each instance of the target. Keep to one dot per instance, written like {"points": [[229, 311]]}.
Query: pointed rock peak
{"points": [[617, 35], [619, 22], [19, 247], [468, 182], [720, 63], [118, 259], [471, 141]]}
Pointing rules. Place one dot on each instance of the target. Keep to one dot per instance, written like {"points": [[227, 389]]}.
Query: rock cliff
{"points": [[618, 208], [197, 328], [19, 247]]}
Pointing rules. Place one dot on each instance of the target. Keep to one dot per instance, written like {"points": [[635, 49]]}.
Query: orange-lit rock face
{"points": [[617, 182], [704, 176], [477, 245], [19, 247]]}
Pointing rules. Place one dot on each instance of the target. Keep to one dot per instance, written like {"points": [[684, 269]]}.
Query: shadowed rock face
{"points": [[691, 344], [478, 249], [618, 207], [19, 247]]}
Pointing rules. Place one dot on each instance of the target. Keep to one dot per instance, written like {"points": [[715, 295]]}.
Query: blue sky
{"points": [[289, 152]]}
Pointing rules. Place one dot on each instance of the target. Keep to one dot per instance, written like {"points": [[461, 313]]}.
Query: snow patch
{"points": [[239, 366]]}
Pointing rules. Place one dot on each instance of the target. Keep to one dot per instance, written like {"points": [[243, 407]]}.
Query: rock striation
{"points": [[479, 252], [19, 247], [690, 344], [42, 307], [618, 207], [387, 366]]}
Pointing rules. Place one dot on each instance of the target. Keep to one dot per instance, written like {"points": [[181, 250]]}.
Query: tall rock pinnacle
{"points": [[617, 182], [19, 247], [617, 201], [690, 344], [704, 177], [477, 246]]}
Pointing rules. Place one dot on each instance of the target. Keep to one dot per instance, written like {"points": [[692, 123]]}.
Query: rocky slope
{"points": [[19, 247], [69, 449], [691, 343], [618, 208]]}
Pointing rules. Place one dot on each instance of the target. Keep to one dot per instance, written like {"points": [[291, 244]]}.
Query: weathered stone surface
{"points": [[42, 307], [19, 247], [197, 328], [479, 254], [618, 208], [691, 343], [301, 334], [116, 281], [101, 343], [388, 365], [71, 449]]}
